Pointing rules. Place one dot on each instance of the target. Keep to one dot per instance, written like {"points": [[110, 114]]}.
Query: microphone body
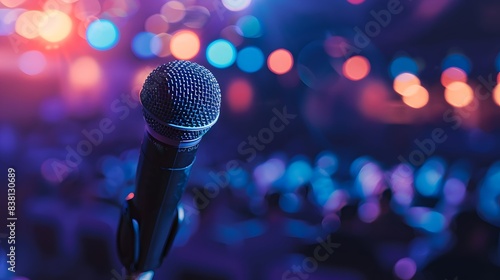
{"points": [[162, 175], [181, 102]]}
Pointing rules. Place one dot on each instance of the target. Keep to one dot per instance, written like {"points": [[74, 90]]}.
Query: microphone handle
{"points": [[150, 219]]}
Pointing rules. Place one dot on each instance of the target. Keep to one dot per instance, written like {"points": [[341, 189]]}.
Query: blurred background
{"points": [[358, 139]]}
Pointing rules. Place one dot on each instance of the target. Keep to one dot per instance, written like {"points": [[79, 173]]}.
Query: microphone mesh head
{"points": [[181, 100]]}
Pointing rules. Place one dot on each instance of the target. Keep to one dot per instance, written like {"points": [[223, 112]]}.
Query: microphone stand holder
{"points": [[129, 246]]}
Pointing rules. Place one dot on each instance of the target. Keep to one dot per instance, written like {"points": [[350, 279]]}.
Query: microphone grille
{"points": [[181, 100]]}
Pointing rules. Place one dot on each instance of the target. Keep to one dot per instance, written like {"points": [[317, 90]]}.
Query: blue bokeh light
{"points": [[298, 173], [429, 177], [249, 26], [250, 59], [8, 19], [327, 163], [433, 222], [488, 207], [403, 64], [457, 60], [221, 53], [290, 203], [497, 63], [102, 35], [323, 188], [141, 45]]}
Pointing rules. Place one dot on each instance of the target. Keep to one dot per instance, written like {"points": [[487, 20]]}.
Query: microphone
{"points": [[181, 102]]}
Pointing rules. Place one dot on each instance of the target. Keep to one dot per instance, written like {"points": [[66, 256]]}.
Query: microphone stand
{"points": [[133, 241]]}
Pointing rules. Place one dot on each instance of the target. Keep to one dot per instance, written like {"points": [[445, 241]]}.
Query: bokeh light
{"points": [[174, 11], [280, 61], [221, 53], [453, 74], [138, 80], [29, 22], [156, 24], [102, 34], [404, 81], [458, 94], [268, 172], [299, 172], [32, 62], [322, 187], [12, 3], [356, 68], [236, 5], [84, 72], [497, 62], [52, 5], [8, 18], [416, 96], [368, 212], [196, 17], [327, 163], [433, 221], [239, 95], [57, 26], [457, 60], [488, 207], [403, 64], [185, 44], [87, 9], [429, 178], [141, 45], [405, 268], [250, 59], [336, 46], [496, 95], [160, 45], [249, 26], [290, 203], [454, 191], [356, 2]]}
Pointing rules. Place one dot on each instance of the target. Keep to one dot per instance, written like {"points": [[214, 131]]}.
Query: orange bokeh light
{"points": [[280, 61], [139, 78], [11, 3], [453, 74], [496, 95], [356, 68], [404, 81], [57, 27], [416, 96], [458, 94], [29, 22], [84, 72], [185, 44], [239, 95]]}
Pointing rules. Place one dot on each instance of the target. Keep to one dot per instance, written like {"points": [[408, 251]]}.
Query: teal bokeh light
{"points": [[102, 35], [221, 53], [249, 26]]}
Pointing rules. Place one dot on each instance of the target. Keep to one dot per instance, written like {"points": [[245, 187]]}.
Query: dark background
{"points": [[348, 168]]}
